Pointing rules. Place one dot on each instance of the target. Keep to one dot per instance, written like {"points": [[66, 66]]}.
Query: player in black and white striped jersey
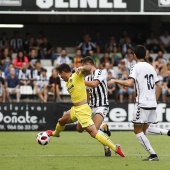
{"points": [[96, 84]]}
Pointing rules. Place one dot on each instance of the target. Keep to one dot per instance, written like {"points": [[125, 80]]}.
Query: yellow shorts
{"points": [[82, 114]]}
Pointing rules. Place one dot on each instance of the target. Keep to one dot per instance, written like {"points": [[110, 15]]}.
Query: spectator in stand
{"points": [[116, 56], [127, 45], [2, 90], [166, 87], [37, 71], [24, 75], [99, 41], [160, 54], [139, 38], [111, 44], [109, 68], [121, 68], [129, 61], [41, 85], [95, 58], [46, 49], [159, 66], [7, 71], [63, 58], [12, 85], [152, 43], [165, 42], [86, 45], [129, 51], [55, 85], [5, 59], [19, 60], [39, 39], [4, 42], [148, 58], [112, 88], [124, 34], [125, 90], [105, 59], [77, 59], [30, 45], [32, 59], [16, 43]]}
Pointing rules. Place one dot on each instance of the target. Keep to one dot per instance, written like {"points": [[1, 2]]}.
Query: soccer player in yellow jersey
{"points": [[80, 110]]}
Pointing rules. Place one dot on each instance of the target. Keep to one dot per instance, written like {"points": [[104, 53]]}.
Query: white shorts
{"points": [[144, 116], [13, 90], [100, 110]]}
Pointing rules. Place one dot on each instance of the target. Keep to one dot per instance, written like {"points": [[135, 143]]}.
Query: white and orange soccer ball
{"points": [[43, 138]]}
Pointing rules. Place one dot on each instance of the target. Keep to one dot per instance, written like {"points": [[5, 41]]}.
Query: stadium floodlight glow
{"points": [[11, 25]]}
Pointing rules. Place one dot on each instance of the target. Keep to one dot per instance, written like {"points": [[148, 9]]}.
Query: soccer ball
{"points": [[43, 138]]}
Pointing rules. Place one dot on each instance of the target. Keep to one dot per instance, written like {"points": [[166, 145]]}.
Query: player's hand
{"points": [[110, 82], [78, 70]]}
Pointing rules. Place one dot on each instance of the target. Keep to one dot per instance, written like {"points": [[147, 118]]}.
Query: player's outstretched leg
{"points": [[157, 131], [102, 138], [65, 119], [57, 130]]}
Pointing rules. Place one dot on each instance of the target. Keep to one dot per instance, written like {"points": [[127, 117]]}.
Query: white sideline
{"points": [[56, 155]]}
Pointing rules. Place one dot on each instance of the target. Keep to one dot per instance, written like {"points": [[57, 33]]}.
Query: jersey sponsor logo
{"points": [[45, 4], [84, 123], [70, 89]]}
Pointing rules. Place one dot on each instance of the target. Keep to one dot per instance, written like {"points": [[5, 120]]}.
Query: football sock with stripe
{"points": [[145, 142], [105, 141], [58, 129]]}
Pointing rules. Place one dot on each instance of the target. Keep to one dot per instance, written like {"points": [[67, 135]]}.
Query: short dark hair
{"points": [[140, 51], [64, 67], [88, 60], [43, 70], [38, 61]]}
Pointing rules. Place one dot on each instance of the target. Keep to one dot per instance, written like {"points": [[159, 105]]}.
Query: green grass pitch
{"points": [[74, 151]]}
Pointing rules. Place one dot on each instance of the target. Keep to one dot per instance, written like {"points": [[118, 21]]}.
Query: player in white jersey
{"points": [[148, 89], [96, 84]]}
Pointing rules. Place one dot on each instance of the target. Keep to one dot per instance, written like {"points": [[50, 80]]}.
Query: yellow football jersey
{"points": [[76, 87]]}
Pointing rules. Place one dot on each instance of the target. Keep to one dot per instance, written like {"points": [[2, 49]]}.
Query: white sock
{"points": [[145, 142], [156, 131]]}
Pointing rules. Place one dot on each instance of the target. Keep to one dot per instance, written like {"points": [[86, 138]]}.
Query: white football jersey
{"points": [[145, 78], [98, 95]]}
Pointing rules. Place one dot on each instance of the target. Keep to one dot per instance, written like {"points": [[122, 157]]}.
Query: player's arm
{"points": [[128, 83], [92, 84], [85, 70], [158, 90]]}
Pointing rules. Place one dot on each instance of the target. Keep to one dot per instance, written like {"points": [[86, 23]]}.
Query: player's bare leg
{"points": [[104, 139], [65, 119], [98, 119]]}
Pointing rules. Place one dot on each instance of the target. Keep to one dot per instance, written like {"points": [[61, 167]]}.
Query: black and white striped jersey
{"points": [[98, 95], [24, 74]]}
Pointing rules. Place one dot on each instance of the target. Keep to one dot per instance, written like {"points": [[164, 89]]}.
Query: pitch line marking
{"points": [[53, 155]]}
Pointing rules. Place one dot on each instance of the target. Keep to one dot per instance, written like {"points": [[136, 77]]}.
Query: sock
{"points": [[145, 142], [105, 141], [58, 129], [156, 131]]}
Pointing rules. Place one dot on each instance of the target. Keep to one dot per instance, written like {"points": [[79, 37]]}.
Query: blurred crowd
{"points": [[114, 57]]}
